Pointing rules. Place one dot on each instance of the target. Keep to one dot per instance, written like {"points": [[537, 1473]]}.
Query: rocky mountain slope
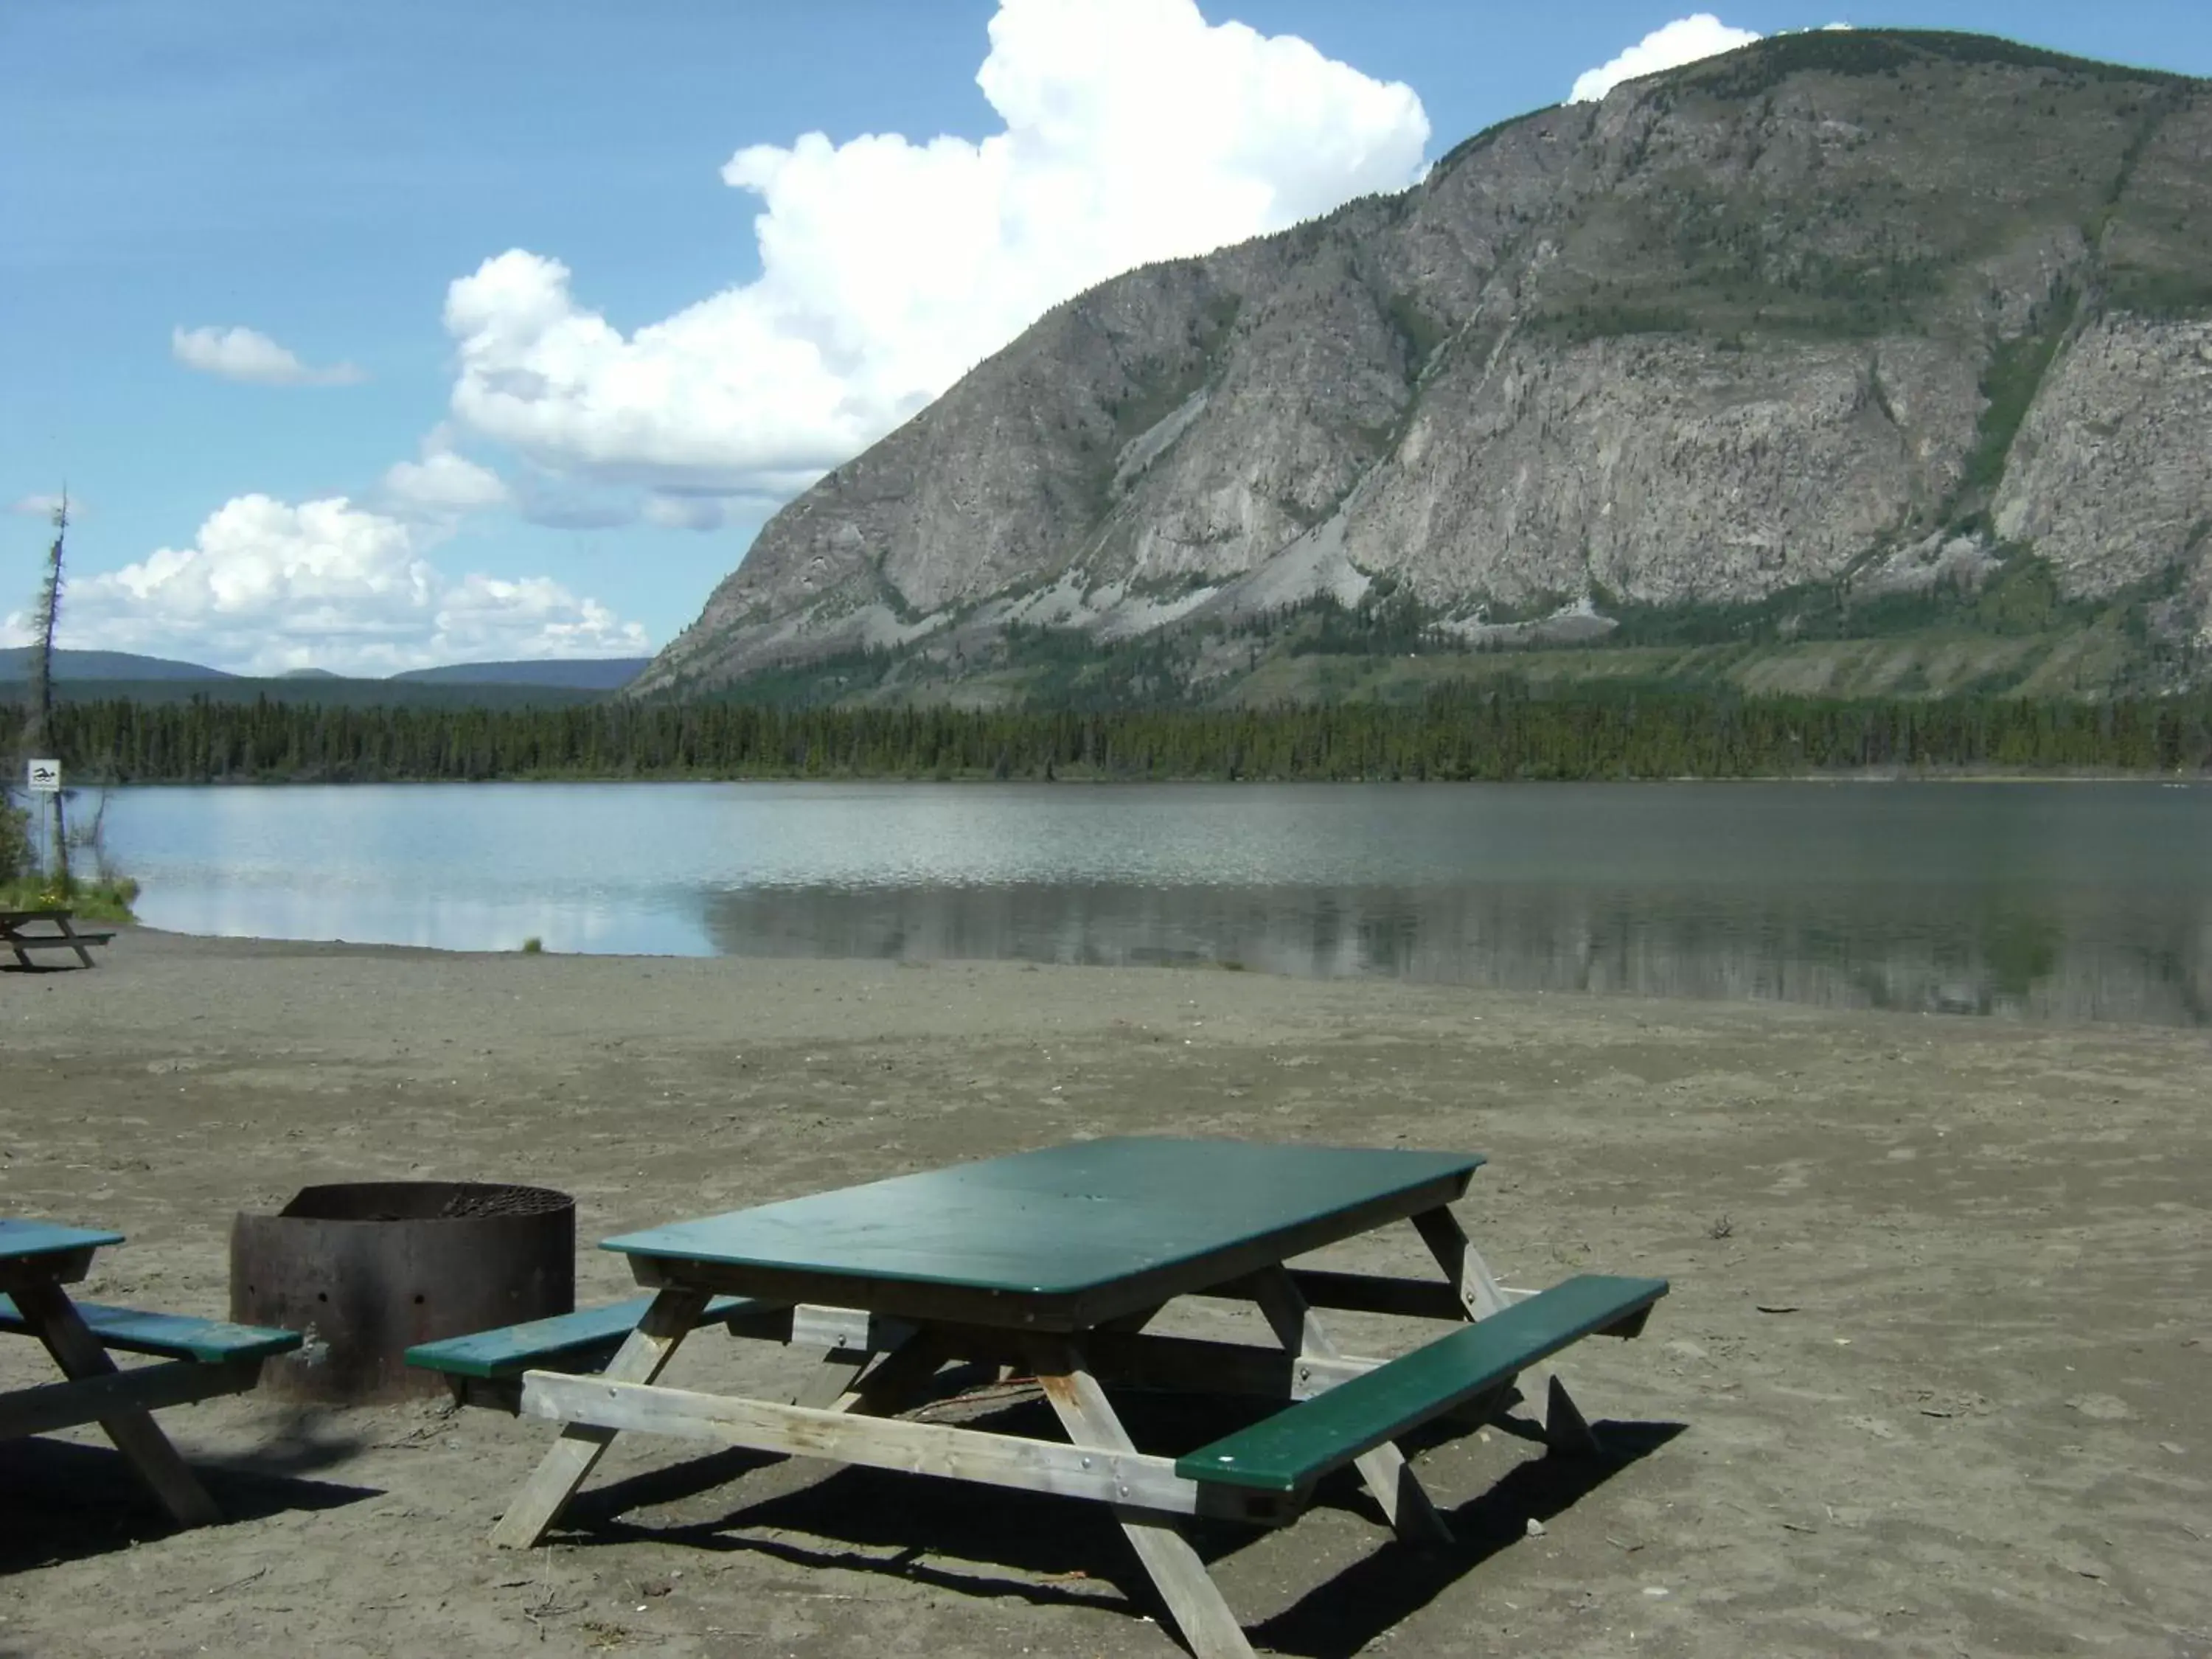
{"points": [[1835, 321]]}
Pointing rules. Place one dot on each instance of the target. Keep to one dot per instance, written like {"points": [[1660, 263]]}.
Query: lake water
{"points": [[2075, 902]]}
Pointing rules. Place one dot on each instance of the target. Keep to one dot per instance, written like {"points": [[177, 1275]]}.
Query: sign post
{"points": [[44, 778]]}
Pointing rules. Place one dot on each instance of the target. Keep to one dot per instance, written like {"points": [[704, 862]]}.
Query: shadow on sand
{"points": [[1051, 1553], [67, 1501]]}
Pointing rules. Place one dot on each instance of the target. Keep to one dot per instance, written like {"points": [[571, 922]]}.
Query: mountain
{"points": [[15, 665], [583, 674], [1846, 335]]}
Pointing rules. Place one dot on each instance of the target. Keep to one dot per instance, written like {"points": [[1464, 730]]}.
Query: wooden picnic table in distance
{"points": [[60, 935], [1052, 1262], [204, 1357]]}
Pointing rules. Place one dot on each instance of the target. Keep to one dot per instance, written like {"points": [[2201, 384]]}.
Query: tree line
{"points": [[1494, 730]]}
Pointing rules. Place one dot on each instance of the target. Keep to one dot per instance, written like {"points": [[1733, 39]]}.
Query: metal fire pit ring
{"points": [[366, 1269]]}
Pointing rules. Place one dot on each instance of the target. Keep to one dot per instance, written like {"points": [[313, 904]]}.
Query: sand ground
{"points": [[1936, 1376]]}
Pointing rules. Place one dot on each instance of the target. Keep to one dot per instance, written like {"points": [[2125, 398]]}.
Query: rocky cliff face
{"points": [[1872, 308]]}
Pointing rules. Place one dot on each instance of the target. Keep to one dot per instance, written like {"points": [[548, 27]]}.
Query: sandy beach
{"points": [[1935, 1375]]}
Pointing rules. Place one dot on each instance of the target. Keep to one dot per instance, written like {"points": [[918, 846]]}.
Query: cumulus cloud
{"points": [[1134, 130], [245, 354], [1685, 40], [267, 585], [442, 485], [43, 507], [672, 511]]}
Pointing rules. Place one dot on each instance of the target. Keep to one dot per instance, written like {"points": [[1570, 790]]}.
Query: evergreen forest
{"points": [[1498, 728]]}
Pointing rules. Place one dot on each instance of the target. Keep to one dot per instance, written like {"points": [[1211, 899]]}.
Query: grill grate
{"points": [[474, 1201]]}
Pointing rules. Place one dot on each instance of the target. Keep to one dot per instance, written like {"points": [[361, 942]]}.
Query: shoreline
{"points": [[2006, 1016], [1076, 779]]}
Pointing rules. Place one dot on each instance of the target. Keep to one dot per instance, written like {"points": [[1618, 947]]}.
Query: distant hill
{"points": [[315, 691], [582, 674], [110, 668], [71, 666]]}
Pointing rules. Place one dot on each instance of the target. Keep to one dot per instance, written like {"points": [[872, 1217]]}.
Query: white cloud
{"points": [[267, 585], [42, 507], [1134, 131], [442, 485], [1685, 40], [243, 354], [686, 512]]}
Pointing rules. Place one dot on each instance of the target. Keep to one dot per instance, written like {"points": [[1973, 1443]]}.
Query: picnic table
{"points": [[203, 1357], [1051, 1264], [59, 935]]}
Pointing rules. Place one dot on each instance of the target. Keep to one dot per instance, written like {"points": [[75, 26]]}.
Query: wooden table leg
{"points": [[1564, 1428], [833, 1379], [48, 1310], [1389, 1476], [1193, 1600], [84, 955], [644, 1353], [1462, 1263], [896, 1380]]}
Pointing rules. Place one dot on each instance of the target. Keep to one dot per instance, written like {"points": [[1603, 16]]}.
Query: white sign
{"points": [[45, 777]]}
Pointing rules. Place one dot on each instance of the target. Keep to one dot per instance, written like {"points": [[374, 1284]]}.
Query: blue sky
{"points": [[416, 455]]}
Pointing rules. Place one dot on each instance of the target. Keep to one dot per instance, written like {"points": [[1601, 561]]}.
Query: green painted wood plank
{"points": [[564, 1342], [25, 1238], [171, 1336], [1294, 1448], [1059, 1221]]}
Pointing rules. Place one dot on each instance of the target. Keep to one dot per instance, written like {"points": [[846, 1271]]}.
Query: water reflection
{"points": [[2058, 901], [2079, 955]]}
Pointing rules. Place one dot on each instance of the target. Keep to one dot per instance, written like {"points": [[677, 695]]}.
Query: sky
{"points": [[366, 338]]}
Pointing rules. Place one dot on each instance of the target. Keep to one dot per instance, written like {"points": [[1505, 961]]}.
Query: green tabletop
{"points": [[1057, 1237], [20, 1241]]}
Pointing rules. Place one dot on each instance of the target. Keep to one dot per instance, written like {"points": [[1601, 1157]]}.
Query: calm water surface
{"points": [[2035, 901]]}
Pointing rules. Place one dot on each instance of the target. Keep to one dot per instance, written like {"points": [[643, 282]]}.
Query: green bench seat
{"points": [[584, 1341], [1287, 1452], [169, 1336]]}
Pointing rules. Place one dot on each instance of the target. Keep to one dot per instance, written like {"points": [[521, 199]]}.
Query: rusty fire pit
{"points": [[366, 1269]]}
